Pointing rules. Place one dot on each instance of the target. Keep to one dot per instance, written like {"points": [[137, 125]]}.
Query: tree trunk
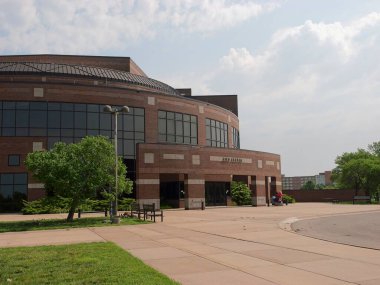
{"points": [[70, 216]]}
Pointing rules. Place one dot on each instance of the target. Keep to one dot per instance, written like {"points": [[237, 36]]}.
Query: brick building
{"points": [[180, 149], [296, 182]]}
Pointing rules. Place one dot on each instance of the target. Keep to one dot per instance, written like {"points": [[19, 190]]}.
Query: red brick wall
{"points": [[321, 195]]}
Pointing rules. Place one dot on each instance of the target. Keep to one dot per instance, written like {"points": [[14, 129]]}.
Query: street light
{"points": [[115, 111]]}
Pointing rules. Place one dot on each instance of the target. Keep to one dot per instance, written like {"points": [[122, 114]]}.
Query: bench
{"points": [[332, 200], [361, 198], [151, 212], [136, 210]]}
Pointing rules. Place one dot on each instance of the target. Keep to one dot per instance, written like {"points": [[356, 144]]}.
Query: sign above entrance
{"points": [[230, 159]]}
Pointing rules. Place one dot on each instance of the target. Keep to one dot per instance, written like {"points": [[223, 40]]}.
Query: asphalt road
{"points": [[361, 229]]}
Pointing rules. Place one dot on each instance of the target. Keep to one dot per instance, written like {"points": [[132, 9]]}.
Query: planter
{"points": [[115, 220]]}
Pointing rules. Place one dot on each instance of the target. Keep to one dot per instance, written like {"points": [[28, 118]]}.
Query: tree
{"points": [[240, 193], [78, 171], [309, 185], [359, 170]]}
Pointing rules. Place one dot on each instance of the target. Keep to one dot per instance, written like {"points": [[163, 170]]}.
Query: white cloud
{"points": [[212, 15], [339, 35], [241, 60], [311, 93], [86, 26]]}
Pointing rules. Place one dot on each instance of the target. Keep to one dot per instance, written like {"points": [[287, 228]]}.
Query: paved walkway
{"points": [[242, 245]]}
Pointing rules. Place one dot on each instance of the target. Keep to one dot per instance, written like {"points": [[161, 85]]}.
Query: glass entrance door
{"points": [[216, 193]]}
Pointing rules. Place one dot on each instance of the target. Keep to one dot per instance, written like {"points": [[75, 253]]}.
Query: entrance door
{"points": [[216, 193]]}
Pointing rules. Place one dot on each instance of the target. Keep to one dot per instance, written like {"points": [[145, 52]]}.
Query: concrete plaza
{"points": [[239, 245]]}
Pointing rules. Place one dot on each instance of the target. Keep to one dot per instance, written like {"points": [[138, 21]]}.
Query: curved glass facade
{"points": [[216, 133], [177, 128], [69, 122]]}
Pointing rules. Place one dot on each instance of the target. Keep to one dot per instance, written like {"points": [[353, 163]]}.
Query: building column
{"points": [[194, 191], [148, 189], [259, 195], [279, 184]]}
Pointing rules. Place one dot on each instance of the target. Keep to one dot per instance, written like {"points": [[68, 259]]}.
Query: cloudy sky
{"points": [[307, 72]]}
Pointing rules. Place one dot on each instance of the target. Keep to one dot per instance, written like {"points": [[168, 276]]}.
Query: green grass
{"points": [[92, 263], [35, 225]]}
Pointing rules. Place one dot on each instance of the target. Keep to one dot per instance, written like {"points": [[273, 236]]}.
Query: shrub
{"points": [[288, 199], [125, 204], [240, 193], [46, 205]]}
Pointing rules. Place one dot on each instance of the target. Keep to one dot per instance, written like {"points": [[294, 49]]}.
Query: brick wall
{"points": [[321, 195]]}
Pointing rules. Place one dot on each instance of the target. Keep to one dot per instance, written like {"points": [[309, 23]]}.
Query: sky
{"points": [[306, 73]]}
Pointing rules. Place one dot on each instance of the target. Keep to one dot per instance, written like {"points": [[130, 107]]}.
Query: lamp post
{"points": [[115, 111]]}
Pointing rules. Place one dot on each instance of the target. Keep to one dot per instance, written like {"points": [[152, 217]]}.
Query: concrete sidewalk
{"points": [[242, 245]]}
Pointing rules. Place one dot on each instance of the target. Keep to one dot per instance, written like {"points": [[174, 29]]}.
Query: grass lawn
{"points": [[62, 224], [91, 263]]}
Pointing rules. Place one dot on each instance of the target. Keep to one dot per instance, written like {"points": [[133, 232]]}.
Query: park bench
{"points": [[332, 200], [136, 210], [151, 212], [361, 198]]}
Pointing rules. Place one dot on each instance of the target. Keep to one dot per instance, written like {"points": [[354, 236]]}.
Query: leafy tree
{"points": [[309, 185], [374, 148], [78, 171], [359, 170], [240, 193]]}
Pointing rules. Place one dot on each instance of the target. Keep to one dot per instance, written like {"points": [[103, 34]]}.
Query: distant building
{"points": [[296, 182]]}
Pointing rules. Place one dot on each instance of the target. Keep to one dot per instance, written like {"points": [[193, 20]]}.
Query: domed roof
{"points": [[55, 69]]}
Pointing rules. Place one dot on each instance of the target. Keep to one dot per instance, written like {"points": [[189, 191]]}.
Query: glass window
{"points": [[9, 118], [162, 126], [9, 105], [54, 106], [38, 105], [7, 178], [67, 107], [79, 133], [128, 122], [54, 119], [8, 132], [139, 124], [22, 118], [138, 111], [67, 132], [93, 120], [67, 120], [80, 107], [20, 178], [20, 189], [105, 121], [54, 132], [170, 127], [170, 115], [93, 108], [38, 119], [176, 127], [216, 133], [186, 129], [6, 191], [140, 136], [13, 160], [80, 120], [162, 114], [22, 105], [22, 132]]}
